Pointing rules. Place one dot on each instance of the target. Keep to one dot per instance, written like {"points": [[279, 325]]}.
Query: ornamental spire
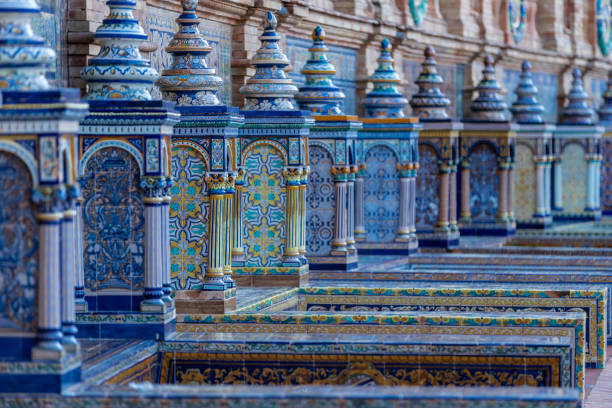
{"points": [[526, 108], [429, 102], [319, 95], [24, 58], [385, 100], [269, 89], [605, 110], [189, 81], [488, 105], [577, 111], [119, 71]]}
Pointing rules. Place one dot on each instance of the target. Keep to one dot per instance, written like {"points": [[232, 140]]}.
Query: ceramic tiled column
{"points": [[272, 151], [487, 158], [437, 159], [331, 149], [387, 153], [577, 156], [38, 126], [125, 172], [206, 206]]}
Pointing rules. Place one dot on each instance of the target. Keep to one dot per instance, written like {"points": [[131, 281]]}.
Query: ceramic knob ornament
{"points": [[577, 111], [24, 57], [489, 105], [189, 81], [429, 103], [385, 100], [119, 71], [319, 95], [526, 108], [269, 89]]}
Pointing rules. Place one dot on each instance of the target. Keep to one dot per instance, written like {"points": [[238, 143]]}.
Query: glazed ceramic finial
{"points": [[319, 95], [605, 110], [577, 111], [24, 58], [488, 105], [189, 81], [429, 102], [119, 71], [269, 89], [385, 100], [526, 108]]}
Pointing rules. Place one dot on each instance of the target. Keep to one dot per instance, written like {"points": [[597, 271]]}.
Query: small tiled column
{"points": [[340, 174], [412, 200], [502, 205], [466, 212], [216, 183], [510, 197], [228, 232], [359, 210], [548, 186], [79, 290], [153, 198], [557, 175], [293, 219], [350, 238], [237, 245], [69, 274], [540, 166], [453, 197], [49, 290], [303, 184], [165, 209], [592, 182], [403, 228], [443, 199]]}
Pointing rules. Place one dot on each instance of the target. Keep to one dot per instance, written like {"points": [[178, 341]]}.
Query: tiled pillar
{"points": [[412, 201], [303, 184], [359, 211], [597, 176], [502, 205], [548, 186], [154, 258], [558, 184], [340, 222], [167, 279], [227, 228], [350, 239], [540, 167], [466, 212], [293, 220], [403, 228], [443, 199], [216, 183], [68, 280], [237, 245], [49, 335], [79, 290], [453, 197], [510, 197], [592, 177]]}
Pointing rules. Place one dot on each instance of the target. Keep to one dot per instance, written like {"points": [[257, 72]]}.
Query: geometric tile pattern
{"points": [[381, 195], [483, 183], [264, 206], [188, 218], [524, 183], [320, 203], [427, 186], [18, 245], [113, 221], [574, 169], [606, 175]]}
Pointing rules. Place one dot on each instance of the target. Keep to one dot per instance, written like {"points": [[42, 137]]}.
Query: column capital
{"points": [[340, 173], [293, 175], [51, 199], [217, 182], [154, 188]]}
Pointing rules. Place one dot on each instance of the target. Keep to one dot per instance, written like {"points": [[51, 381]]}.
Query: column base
{"points": [[536, 222], [346, 262], [153, 306], [292, 261], [229, 282], [238, 259], [448, 239], [51, 350], [213, 283], [80, 305], [205, 301], [405, 248], [126, 325], [491, 228], [586, 215], [303, 258], [290, 276], [69, 341]]}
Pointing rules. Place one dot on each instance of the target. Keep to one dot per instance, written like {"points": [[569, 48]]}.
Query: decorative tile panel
{"points": [[160, 27], [524, 183], [574, 170], [483, 183], [427, 186], [381, 195], [606, 175], [264, 206], [188, 218], [113, 221], [18, 246], [344, 59], [320, 201], [50, 25]]}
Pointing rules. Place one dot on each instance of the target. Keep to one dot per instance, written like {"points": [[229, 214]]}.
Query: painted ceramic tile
{"points": [[483, 183], [320, 203], [427, 186], [574, 170], [524, 183]]}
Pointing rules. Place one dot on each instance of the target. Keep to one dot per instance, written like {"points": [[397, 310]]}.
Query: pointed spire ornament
{"points": [[24, 57], [269, 89], [526, 108], [577, 111], [488, 105], [605, 110], [385, 100], [429, 102], [189, 81], [119, 71], [319, 95]]}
